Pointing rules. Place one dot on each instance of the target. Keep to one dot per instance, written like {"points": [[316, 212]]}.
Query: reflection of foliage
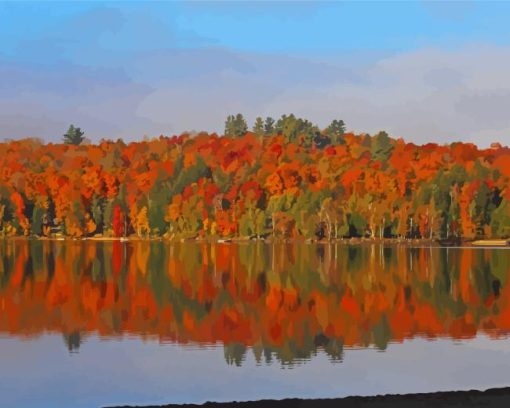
{"points": [[381, 333], [285, 302], [235, 353], [73, 341]]}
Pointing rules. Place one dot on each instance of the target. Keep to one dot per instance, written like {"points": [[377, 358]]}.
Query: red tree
{"points": [[117, 223]]}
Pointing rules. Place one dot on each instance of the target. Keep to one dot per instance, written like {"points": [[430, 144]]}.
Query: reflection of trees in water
{"points": [[381, 333], [289, 353], [283, 302], [235, 353], [73, 341]]}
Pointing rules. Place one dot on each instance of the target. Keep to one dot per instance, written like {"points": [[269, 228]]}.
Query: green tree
{"points": [[453, 216], [74, 136], [97, 213], [269, 126], [37, 220], [358, 225], [229, 125], [482, 207], [435, 219], [336, 131], [191, 221], [381, 147], [305, 210], [500, 220], [158, 198], [293, 128], [260, 222], [258, 127], [247, 223], [186, 177], [235, 126]]}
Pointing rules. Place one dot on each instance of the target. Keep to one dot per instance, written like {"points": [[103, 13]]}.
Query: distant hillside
{"points": [[290, 184]]}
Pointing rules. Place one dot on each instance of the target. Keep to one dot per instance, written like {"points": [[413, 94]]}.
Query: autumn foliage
{"points": [[255, 185]]}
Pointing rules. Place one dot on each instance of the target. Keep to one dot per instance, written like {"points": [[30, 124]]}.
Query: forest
{"points": [[283, 179]]}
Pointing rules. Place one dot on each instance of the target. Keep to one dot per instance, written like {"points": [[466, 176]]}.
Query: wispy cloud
{"points": [[134, 70]]}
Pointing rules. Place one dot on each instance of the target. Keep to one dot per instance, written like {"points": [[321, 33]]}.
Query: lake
{"points": [[105, 323]]}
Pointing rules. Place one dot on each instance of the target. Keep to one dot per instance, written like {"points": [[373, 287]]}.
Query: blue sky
{"points": [[422, 70]]}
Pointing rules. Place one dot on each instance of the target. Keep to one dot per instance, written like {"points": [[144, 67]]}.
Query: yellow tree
{"points": [[141, 221]]}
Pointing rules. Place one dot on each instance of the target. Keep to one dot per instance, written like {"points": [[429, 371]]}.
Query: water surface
{"points": [[154, 322]]}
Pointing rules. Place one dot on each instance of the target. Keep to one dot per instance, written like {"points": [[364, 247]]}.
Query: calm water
{"points": [[151, 322]]}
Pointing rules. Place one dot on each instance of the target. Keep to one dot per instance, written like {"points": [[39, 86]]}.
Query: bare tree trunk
{"points": [[330, 229]]}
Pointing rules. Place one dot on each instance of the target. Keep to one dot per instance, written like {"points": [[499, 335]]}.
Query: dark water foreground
{"points": [[88, 324], [497, 397]]}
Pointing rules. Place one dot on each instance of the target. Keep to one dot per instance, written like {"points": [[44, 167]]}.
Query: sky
{"points": [[427, 71]]}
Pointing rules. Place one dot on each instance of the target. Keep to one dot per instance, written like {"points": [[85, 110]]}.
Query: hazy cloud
{"points": [[425, 95]]}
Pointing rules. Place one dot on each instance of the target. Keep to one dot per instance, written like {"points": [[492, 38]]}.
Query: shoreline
{"points": [[492, 397], [355, 240], [234, 240], [245, 240]]}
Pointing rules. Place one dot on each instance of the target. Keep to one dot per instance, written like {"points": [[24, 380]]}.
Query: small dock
{"points": [[491, 242]]}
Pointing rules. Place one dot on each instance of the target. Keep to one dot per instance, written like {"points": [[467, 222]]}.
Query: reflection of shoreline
{"points": [[494, 397]]}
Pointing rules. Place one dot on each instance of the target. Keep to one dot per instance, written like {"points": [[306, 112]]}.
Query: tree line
{"points": [[286, 179]]}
